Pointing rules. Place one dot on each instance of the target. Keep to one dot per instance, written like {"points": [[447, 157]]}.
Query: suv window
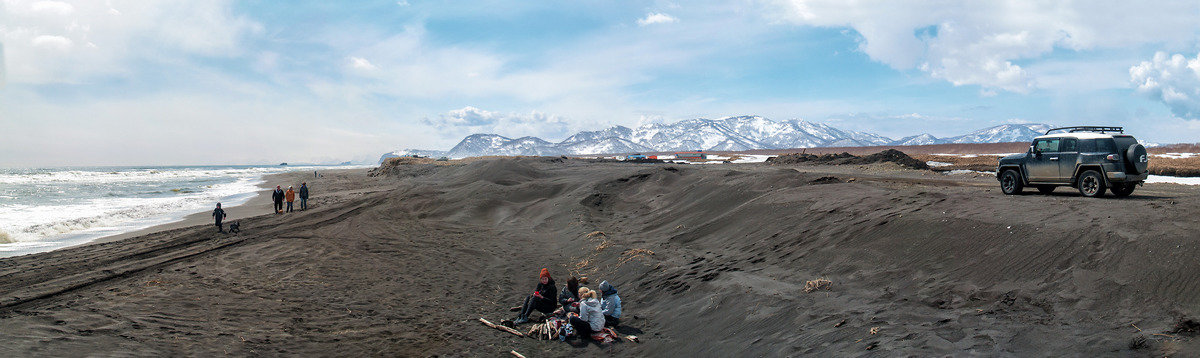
{"points": [[1106, 146], [1087, 145], [1046, 145], [1068, 145]]}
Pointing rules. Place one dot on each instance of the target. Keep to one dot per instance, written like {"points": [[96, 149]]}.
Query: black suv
{"points": [[1091, 159]]}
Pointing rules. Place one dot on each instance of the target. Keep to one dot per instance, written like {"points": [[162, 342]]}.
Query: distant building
{"points": [[697, 155]]}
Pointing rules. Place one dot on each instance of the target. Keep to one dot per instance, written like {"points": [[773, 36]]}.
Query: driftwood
{"points": [[515, 354], [541, 331], [499, 327]]}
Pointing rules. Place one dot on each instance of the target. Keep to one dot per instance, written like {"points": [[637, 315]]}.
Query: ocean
{"points": [[51, 208]]}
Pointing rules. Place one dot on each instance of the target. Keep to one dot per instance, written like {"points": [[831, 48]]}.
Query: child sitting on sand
{"points": [[544, 299]]}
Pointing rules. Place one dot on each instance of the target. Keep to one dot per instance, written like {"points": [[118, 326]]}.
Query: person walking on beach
{"points": [[303, 196], [219, 214], [291, 196], [277, 197]]}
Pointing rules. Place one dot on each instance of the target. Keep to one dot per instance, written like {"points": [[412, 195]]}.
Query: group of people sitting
{"points": [[587, 311]]}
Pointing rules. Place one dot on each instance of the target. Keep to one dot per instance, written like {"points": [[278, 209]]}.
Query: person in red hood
{"points": [[544, 298]]}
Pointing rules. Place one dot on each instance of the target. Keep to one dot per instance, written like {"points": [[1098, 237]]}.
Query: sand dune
{"points": [[710, 261]]}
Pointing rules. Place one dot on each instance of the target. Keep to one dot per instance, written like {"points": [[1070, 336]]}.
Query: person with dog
{"points": [[303, 196], [291, 197], [219, 214], [544, 298], [277, 197]]}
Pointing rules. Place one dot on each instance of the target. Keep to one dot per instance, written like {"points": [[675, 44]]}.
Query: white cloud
{"points": [[469, 120], [52, 42], [981, 42], [1171, 79], [402, 3], [74, 41], [3, 68], [360, 63], [656, 18], [55, 7]]}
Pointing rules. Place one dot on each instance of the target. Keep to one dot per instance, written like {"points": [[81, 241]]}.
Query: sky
{"points": [[177, 82]]}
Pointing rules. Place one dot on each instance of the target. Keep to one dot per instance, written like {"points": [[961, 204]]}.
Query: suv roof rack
{"points": [[1098, 129]]}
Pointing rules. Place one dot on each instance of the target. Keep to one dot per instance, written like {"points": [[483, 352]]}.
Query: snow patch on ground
{"points": [[1175, 180], [938, 164], [974, 155], [1175, 155], [965, 171], [752, 158]]}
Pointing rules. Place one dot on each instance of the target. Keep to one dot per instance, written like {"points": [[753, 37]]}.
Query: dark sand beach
{"points": [[710, 260]]}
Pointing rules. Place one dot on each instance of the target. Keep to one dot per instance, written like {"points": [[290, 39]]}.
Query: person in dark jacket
{"points": [[219, 214], [544, 298], [610, 303], [277, 197], [303, 196], [569, 297]]}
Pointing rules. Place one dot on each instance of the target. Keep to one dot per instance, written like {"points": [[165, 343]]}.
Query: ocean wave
{"points": [[26, 223], [127, 176]]}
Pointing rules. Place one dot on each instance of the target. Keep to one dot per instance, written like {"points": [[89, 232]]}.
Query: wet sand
{"points": [[710, 260]]}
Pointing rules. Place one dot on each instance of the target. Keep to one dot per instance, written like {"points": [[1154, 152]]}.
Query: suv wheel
{"points": [[1123, 190], [1091, 184], [1010, 182], [1046, 189]]}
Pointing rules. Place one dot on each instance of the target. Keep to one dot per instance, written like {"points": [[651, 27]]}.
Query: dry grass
{"points": [[981, 163], [911, 150], [818, 284], [1175, 148], [1181, 167], [629, 255]]}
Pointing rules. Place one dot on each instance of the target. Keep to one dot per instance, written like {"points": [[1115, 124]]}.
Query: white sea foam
{"points": [[138, 201]]}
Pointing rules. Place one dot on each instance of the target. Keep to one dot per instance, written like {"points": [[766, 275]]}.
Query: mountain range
{"points": [[724, 134]]}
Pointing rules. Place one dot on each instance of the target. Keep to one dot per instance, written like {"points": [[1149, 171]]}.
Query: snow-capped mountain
{"points": [[1001, 134], [920, 139], [408, 152], [724, 134]]}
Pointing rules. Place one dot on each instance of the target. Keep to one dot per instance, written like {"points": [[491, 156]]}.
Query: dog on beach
{"points": [[235, 227]]}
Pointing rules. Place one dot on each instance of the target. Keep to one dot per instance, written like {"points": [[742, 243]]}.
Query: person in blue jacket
{"points": [[303, 196], [610, 304]]}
